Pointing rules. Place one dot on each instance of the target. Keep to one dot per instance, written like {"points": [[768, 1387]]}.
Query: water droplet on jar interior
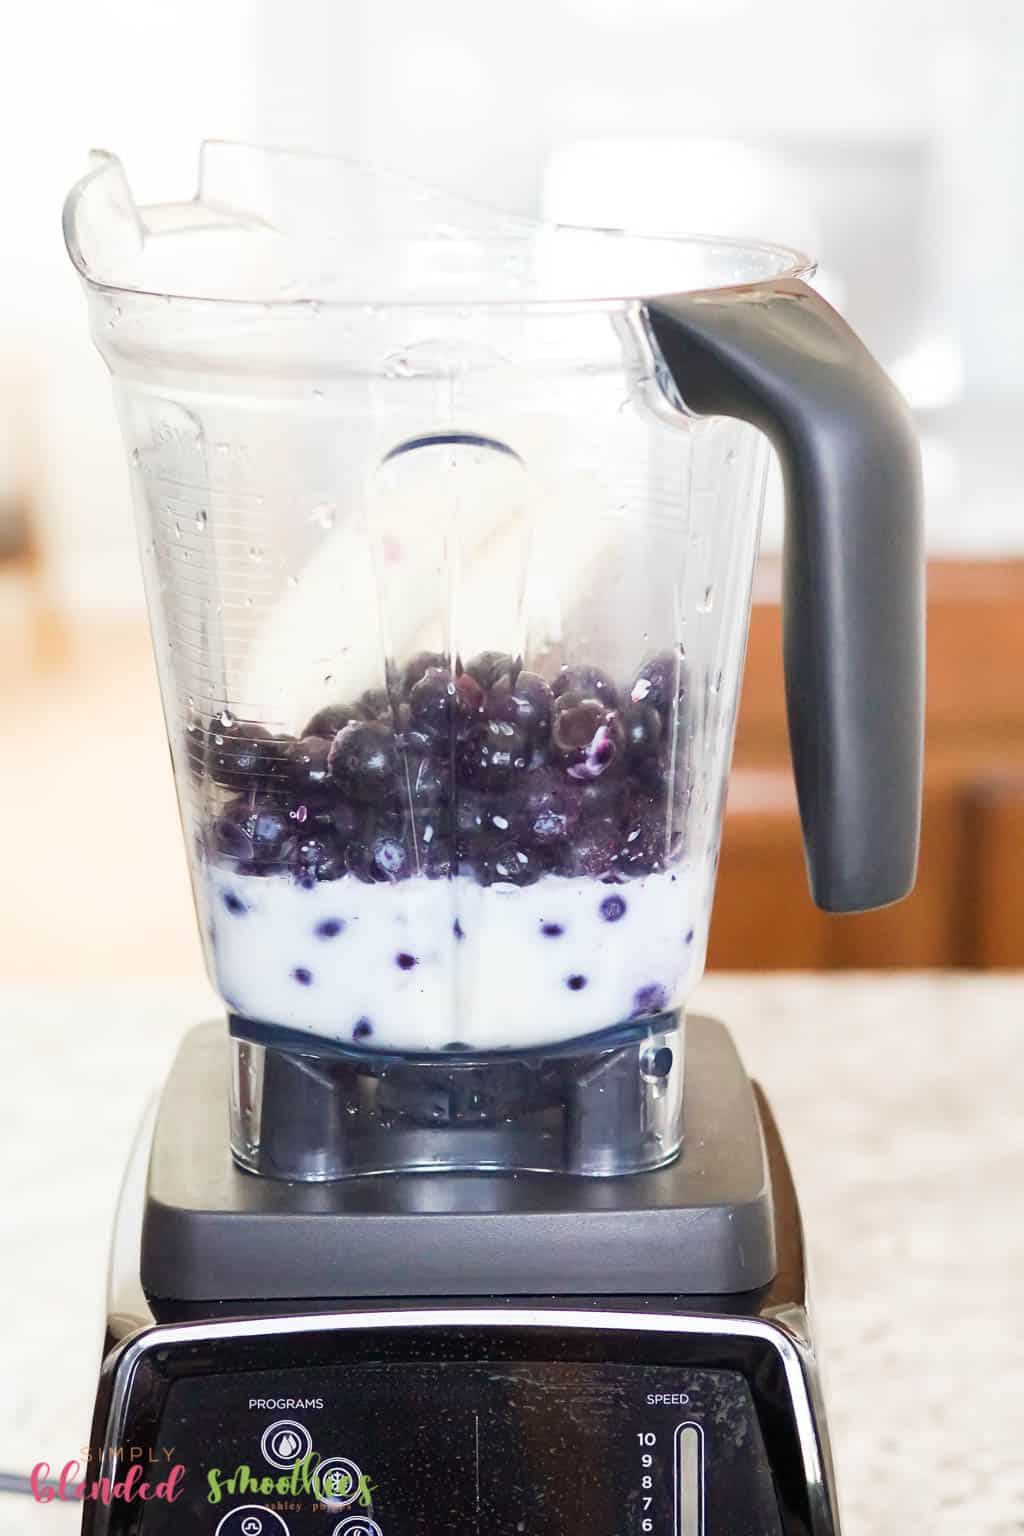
{"points": [[200, 520], [399, 368], [222, 447], [706, 602], [293, 581], [226, 718], [323, 514], [318, 394], [256, 553]]}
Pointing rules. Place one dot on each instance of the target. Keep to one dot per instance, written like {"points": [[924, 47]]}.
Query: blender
{"points": [[448, 523]]}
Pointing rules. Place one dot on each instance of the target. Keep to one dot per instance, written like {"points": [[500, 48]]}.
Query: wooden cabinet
{"points": [[968, 905]]}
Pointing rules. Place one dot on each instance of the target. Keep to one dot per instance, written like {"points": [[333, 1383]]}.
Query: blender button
{"points": [[286, 1442], [357, 1525], [252, 1520]]}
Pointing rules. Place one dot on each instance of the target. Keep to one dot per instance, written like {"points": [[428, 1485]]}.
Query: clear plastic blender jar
{"points": [[449, 585]]}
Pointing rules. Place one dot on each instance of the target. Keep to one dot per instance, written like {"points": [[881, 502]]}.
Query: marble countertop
{"points": [[899, 1099]]}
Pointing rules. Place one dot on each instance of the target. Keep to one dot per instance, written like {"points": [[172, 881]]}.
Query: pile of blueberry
{"points": [[485, 769]]}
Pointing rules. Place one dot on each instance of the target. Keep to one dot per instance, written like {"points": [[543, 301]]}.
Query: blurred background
{"points": [[883, 136]]}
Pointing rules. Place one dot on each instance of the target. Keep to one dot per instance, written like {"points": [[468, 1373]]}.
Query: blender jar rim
{"points": [[780, 263]]}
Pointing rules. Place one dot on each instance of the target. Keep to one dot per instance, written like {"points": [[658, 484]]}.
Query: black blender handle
{"points": [[777, 356]]}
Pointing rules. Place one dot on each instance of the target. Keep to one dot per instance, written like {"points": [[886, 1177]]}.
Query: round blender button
{"points": [[337, 1481], [357, 1525], [286, 1442], [252, 1520]]}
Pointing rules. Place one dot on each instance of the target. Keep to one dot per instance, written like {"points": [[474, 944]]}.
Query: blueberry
{"points": [[414, 741], [307, 768], [432, 700], [374, 704], [507, 864], [363, 1030], [593, 851], [528, 704], [661, 682], [252, 831], [417, 666], [491, 755], [552, 930], [389, 858], [552, 807], [243, 755], [603, 798], [586, 735], [643, 838], [405, 962], [327, 722], [339, 821], [576, 983], [302, 976], [613, 908], [437, 858], [588, 683], [642, 727], [234, 903], [381, 854], [313, 859], [649, 1000], [490, 667], [363, 761], [485, 818], [428, 782], [469, 698], [329, 928]]}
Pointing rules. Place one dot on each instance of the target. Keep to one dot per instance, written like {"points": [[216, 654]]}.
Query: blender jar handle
{"points": [[777, 356]]}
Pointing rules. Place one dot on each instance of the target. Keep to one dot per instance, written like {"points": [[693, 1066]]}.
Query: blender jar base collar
{"points": [[702, 1223]]}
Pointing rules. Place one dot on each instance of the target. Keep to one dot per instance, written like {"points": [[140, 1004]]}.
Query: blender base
{"points": [[609, 1398], [702, 1223]]}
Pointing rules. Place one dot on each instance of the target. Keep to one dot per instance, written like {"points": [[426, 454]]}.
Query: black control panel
{"points": [[538, 1448], [421, 1423]]}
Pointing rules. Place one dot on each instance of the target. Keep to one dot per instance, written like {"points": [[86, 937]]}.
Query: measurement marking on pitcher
{"points": [[688, 1476]]}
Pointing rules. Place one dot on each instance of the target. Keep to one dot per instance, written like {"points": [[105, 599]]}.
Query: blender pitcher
{"points": [[448, 524]]}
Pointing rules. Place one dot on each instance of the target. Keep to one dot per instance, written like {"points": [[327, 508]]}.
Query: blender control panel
{"points": [[538, 1448]]}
